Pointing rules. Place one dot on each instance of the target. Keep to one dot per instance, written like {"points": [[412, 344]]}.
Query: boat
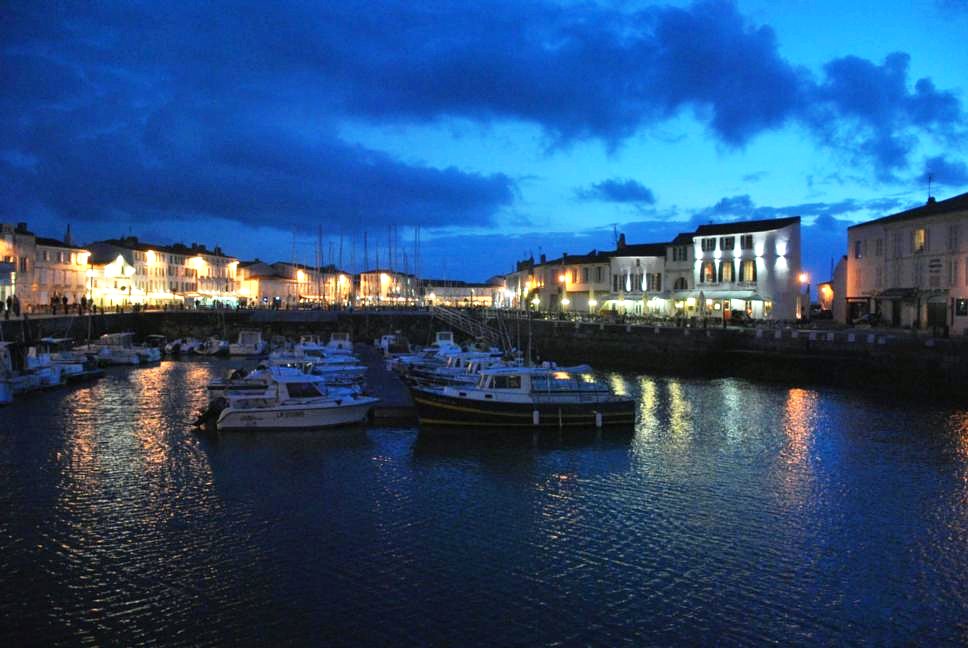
{"points": [[23, 378], [293, 402], [249, 343], [213, 346], [59, 352], [240, 381], [339, 343], [156, 341], [460, 368], [436, 354], [182, 346], [525, 398], [119, 349], [6, 375]]}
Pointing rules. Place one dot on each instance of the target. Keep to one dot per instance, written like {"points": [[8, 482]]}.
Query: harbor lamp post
{"points": [[804, 296]]}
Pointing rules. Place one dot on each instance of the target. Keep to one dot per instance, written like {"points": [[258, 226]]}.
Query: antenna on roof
{"points": [[930, 180]]}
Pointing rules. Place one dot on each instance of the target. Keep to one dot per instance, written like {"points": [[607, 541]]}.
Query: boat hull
{"points": [[285, 418], [436, 410]]}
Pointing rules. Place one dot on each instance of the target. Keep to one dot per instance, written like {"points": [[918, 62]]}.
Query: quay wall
{"points": [[872, 361]]}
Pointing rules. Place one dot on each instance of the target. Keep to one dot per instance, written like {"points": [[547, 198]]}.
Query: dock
{"points": [[395, 406]]}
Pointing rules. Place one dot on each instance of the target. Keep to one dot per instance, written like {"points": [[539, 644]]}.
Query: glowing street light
{"points": [[804, 278]]}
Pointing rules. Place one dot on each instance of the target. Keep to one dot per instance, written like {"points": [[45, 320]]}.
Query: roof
{"points": [[742, 227], [682, 239], [49, 242], [453, 283], [641, 249], [387, 271], [132, 243], [931, 208]]}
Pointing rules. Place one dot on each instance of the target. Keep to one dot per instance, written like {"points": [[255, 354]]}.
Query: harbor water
{"points": [[735, 512]]}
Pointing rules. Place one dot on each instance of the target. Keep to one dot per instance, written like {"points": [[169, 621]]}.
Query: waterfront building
{"points": [[911, 268], [386, 286], [60, 270], [161, 276], [637, 273], [463, 294], [110, 279], [570, 283], [751, 266], [17, 251]]}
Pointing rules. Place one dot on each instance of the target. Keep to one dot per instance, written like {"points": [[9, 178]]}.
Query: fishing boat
{"points": [[517, 398], [293, 402], [339, 344], [249, 343]]}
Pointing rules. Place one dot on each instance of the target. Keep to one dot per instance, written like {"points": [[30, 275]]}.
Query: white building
{"points": [[912, 267]]}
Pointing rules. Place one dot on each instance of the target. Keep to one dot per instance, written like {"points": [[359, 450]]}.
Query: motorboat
{"points": [[523, 398], [156, 341], [240, 381], [120, 349], [182, 346], [339, 344], [292, 402], [461, 369], [20, 376], [434, 355], [59, 352], [249, 343], [213, 346], [339, 369]]}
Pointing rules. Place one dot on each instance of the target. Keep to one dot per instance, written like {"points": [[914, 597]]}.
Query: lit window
{"points": [[726, 271], [920, 239], [708, 272], [747, 271]]}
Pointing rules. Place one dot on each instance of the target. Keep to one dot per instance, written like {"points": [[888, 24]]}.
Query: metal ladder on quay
{"points": [[473, 327]]}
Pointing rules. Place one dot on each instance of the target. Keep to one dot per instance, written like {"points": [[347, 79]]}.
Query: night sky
{"points": [[501, 128]]}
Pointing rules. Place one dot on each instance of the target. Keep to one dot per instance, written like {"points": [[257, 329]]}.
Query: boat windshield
{"points": [[558, 381], [303, 390]]}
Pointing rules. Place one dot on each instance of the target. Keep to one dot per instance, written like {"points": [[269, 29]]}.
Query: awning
{"points": [[897, 293], [746, 295]]}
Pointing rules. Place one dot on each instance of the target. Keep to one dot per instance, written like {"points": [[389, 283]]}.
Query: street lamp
{"points": [[804, 279]]}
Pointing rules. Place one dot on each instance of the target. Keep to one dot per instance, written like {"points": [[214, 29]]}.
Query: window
{"points": [[614, 283], [919, 241], [653, 281], [680, 253], [707, 273], [746, 241], [878, 247], [574, 275], [681, 284], [878, 277], [598, 274], [727, 243], [953, 238], [506, 382], [897, 244], [961, 307], [857, 250], [584, 275], [708, 244], [23, 264], [302, 390], [747, 270], [726, 271]]}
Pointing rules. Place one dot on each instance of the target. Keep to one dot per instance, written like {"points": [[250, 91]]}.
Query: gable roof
{"points": [[931, 208], [50, 242], [743, 227]]}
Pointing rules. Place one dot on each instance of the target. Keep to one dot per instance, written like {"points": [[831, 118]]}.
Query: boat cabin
{"points": [[538, 382], [250, 338]]}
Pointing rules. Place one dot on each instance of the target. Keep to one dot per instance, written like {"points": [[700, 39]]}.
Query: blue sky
{"points": [[500, 128]]}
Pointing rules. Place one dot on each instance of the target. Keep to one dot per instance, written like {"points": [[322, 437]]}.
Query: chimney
{"points": [[21, 228], [68, 239], [543, 258], [621, 241], [931, 200]]}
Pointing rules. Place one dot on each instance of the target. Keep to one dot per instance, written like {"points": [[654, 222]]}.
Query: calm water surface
{"points": [[736, 513]]}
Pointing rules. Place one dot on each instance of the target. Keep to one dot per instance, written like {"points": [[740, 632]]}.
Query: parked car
{"points": [[868, 320], [740, 318]]}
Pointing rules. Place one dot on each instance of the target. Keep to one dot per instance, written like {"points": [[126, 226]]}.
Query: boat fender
{"points": [[536, 417]]}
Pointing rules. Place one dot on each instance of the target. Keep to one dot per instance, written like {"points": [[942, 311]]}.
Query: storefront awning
{"points": [[747, 295]]}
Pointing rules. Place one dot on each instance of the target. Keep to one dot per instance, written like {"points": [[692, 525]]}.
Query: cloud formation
{"points": [[945, 172], [617, 190], [232, 110]]}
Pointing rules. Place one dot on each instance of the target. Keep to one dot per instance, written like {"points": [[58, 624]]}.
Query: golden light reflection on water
{"points": [[617, 383], [958, 425], [794, 470], [648, 424], [680, 411]]}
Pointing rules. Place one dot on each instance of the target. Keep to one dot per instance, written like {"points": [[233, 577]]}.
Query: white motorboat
{"points": [[59, 352], [22, 377], [392, 344], [339, 344], [249, 343], [213, 346], [293, 402], [435, 355], [119, 349]]}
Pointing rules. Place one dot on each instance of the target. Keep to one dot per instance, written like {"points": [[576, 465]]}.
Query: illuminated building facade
{"points": [[462, 294], [386, 286], [911, 268]]}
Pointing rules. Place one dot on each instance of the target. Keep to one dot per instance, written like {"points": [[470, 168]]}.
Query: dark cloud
{"points": [[869, 107], [945, 172], [233, 109], [618, 191]]}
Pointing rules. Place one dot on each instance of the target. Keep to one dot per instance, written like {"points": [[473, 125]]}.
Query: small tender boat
{"points": [[525, 397], [213, 346], [249, 343], [182, 346], [293, 402], [339, 344]]}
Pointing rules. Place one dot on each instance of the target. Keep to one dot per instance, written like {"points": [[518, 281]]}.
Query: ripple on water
{"points": [[735, 513]]}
